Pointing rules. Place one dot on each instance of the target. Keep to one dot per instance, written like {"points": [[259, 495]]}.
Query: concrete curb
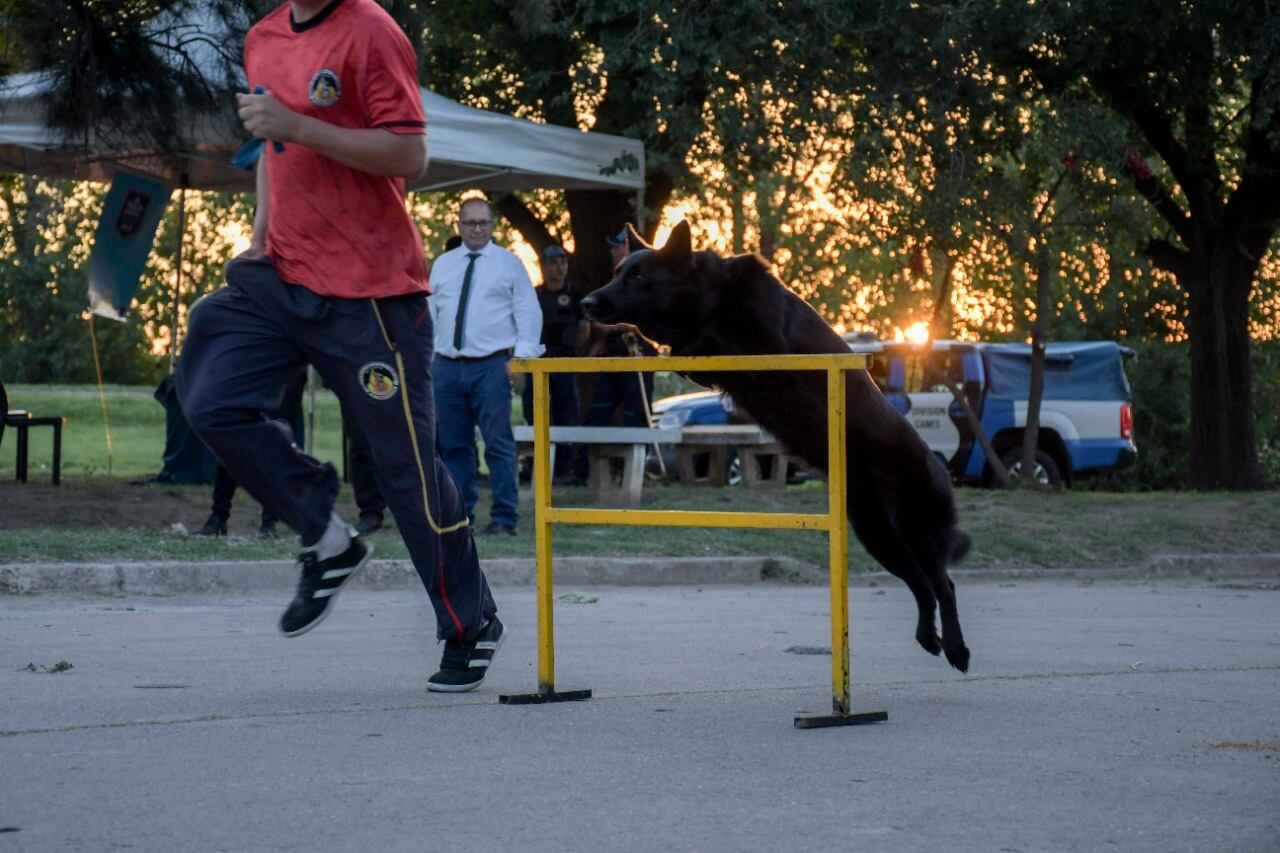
{"points": [[169, 578]]}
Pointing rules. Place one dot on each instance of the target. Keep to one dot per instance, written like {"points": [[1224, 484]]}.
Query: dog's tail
{"points": [[959, 547]]}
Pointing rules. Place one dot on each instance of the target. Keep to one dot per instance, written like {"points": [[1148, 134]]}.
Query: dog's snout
{"points": [[596, 307]]}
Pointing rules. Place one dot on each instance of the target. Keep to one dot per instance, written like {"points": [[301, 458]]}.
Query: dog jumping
{"points": [[900, 501]]}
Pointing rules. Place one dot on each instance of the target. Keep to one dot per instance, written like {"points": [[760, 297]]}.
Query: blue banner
{"points": [[130, 215]]}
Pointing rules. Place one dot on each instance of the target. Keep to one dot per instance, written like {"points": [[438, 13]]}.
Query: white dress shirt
{"points": [[502, 309]]}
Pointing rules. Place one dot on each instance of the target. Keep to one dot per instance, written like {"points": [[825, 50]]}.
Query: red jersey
{"points": [[331, 228]]}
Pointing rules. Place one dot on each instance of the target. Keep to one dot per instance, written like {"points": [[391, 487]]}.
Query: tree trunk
{"points": [[595, 214], [940, 323], [737, 211], [1224, 453], [1039, 329]]}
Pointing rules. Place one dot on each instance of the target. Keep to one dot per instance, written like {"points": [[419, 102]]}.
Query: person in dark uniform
{"points": [[336, 276], [224, 485], [631, 391], [564, 333]]}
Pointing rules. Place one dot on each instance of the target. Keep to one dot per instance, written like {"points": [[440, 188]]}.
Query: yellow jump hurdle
{"points": [[834, 521]]}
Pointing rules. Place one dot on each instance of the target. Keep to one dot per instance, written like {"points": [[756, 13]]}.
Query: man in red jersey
{"points": [[336, 276]]}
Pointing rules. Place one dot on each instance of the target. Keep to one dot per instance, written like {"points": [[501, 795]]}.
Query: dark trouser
{"points": [[474, 393], [363, 482], [564, 412], [613, 390], [224, 485], [246, 340]]}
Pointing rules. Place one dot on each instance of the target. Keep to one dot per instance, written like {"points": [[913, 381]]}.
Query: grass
{"points": [[1079, 529], [1010, 530], [137, 428]]}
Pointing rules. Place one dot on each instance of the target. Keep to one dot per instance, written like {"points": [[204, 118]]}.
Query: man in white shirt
{"points": [[484, 310]]}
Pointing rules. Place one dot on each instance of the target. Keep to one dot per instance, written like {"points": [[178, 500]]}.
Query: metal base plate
{"points": [[826, 721], [544, 698]]}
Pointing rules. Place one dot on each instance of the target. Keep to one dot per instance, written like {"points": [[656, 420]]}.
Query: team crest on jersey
{"points": [[379, 381], [325, 88]]}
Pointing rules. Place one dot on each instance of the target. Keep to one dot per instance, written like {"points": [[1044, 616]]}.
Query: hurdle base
{"points": [[543, 698], [826, 721]]}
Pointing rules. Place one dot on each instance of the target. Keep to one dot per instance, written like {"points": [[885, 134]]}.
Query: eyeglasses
{"points": [[476, 223]]}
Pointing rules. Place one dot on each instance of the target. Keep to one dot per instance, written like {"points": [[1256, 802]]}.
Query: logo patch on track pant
{"points": [[379, 380]]}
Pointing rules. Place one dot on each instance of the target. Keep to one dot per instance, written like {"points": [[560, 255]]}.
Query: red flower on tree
{"points": [[1136, 164]]}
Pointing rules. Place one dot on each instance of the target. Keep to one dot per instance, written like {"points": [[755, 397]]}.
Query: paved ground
{"points": [[1122, 716]]}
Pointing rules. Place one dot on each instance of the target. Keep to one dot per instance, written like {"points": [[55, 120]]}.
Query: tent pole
{"points": [[640, 210], [177, 284]]}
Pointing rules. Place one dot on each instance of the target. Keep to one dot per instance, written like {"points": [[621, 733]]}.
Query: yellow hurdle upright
{"points": [[834, 521]]}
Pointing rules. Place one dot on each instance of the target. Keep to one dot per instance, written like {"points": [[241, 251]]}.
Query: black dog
{"points": [[900, 501]]}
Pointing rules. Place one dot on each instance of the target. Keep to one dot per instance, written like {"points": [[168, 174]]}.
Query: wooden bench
{"points": [[754, 447], [604, 444]]}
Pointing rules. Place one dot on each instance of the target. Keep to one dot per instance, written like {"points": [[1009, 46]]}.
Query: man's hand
{"points": [[266, 117]]}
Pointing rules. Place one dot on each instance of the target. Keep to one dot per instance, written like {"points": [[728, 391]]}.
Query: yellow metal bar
{"points": [[834, 522], [702, 363], [837, 507], [687, 518], [542, 531]]}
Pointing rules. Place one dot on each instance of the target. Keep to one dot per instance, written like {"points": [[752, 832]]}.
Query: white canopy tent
{"points": [[468, 148]]}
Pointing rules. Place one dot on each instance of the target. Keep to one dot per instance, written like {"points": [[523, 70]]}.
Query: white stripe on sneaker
{"points": [[324, 593], [336, 573]]}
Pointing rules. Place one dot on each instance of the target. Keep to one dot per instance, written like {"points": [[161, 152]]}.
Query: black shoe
{"points": [[568, 480], [496, 529], [215, 526], [464, 666], [319, 585], [267, 530], [368, 523]]}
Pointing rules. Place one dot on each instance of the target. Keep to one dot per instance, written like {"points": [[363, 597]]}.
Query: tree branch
{"points": [[522, 219], [1158, 197]]}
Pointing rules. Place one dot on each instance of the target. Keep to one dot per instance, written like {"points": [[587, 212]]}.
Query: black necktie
{"points": [[460, 323]]}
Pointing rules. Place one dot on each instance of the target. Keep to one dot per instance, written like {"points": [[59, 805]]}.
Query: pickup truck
{"points": [[1086, 415]]}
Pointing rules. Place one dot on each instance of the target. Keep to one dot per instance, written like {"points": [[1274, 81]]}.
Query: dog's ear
{"points": [[634, 241], [675, 252]]}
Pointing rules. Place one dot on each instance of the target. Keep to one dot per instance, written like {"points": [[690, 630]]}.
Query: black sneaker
{"points": [[368, 523], [215, 526], [464, 666], [319, 585]]}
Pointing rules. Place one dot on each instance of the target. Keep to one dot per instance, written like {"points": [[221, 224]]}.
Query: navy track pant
{"points": [[245, 341]]}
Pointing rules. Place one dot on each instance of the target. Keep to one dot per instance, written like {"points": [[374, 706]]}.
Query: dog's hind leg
{"points": [[883, 545], [931, 554]]}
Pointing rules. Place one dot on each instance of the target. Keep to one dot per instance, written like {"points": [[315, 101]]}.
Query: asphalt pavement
{"points": [[1128, 716]]}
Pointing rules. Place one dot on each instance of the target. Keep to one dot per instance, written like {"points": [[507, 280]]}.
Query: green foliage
{"points": [[123, 69], [45, 241], [1161, 378]]}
